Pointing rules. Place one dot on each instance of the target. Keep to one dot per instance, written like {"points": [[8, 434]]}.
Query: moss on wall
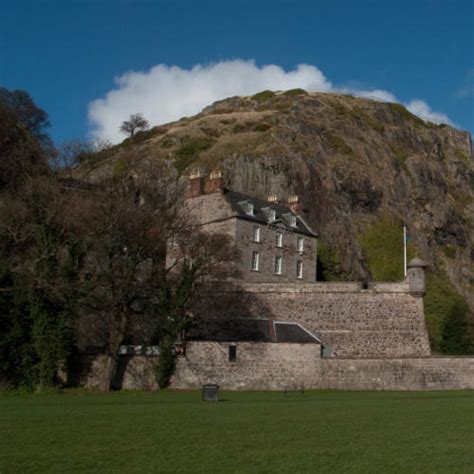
{"points": [[445, 312]]}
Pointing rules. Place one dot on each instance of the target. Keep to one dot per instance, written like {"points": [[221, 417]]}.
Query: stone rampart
{"points": [[258, 366], [385, 320], [281, 366], [432, 373]]}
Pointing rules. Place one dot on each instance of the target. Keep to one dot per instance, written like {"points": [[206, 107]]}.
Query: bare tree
{"points": [[126, 229], [72, 153], [134, 123]]}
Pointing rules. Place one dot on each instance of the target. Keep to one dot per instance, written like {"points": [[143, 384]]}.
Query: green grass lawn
{"points": [[329, 432]]}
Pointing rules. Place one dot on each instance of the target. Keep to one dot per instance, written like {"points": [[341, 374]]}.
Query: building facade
{"points": [[274, 242]]}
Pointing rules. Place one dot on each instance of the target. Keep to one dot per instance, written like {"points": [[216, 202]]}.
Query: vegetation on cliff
{"points": [[360, 167]]}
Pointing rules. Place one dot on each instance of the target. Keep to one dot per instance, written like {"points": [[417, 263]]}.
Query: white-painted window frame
{"points": [[299, 269], [279, 238], [300, 244], [278, 265], [256, 233], [255, 262]]}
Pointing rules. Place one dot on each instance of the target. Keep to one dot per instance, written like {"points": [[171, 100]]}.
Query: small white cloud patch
{"points": [[423, 110], [167, 93]]}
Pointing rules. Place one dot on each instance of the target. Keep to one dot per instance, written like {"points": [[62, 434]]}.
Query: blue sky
{"points": [[67, 54]]}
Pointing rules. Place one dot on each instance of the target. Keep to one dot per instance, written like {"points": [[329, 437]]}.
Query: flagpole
{"points": [[404, 250]]}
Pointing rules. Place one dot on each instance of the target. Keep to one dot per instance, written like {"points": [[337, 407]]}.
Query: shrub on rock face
{"points": [[189, 152], [445, 312], [294, 92], [263, 96], [382, 244]]}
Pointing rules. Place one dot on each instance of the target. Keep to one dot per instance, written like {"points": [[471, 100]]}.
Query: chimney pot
{"points": [[294, 203]]}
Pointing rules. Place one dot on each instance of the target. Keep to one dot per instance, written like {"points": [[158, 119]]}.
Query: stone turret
{"points": [[416, 270]]}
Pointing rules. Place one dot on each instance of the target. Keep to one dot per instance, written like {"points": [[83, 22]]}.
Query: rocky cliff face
{"points": [[355, 164]]}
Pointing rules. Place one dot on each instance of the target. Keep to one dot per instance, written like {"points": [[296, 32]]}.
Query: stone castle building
{"points": [[277, 328], [274, 242]]}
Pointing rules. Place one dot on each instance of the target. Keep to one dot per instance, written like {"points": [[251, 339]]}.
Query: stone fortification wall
{"points": [[280, 366], [385, 320], [258, 366], [433, 373]]}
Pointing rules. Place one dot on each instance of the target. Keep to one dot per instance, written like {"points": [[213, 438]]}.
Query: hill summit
{"points": [[361, 168]]}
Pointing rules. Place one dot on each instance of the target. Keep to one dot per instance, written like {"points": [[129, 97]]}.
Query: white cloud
{"points": [[377, 94], [423, 110], [167, 93]]}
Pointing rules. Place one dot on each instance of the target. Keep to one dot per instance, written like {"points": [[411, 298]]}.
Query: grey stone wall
{"points": [[280, 366], [433, 373], [217, 216], [383, 321], [268, 250], [258, 366]]}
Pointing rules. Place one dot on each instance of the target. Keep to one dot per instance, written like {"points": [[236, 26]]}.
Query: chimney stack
{"points": [[214, 183], [294, 204], [195, 185]]}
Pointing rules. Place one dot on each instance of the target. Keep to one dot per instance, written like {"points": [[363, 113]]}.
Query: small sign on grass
{"points": [[210, 393]]}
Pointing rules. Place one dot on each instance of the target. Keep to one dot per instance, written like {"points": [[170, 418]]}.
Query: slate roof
{"points": [[235, 199], [292, 332], [250, 330]]}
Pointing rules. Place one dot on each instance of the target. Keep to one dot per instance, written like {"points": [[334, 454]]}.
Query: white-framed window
{"points": [[292, 220], [250, 209], [273, 215], [255, 261], [256, 233], [278, 265], [279, 238], [300, 244], [299, 269]]}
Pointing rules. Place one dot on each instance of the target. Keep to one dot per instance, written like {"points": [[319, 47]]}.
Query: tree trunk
{"points": [[111, 362], [108, 372]]}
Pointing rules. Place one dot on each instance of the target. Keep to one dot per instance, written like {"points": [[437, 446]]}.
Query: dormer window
{"points": [[248, 207], [292, 220], [272, 215]]}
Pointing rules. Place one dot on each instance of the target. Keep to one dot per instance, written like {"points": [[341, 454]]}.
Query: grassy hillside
{"points": [[360, 168]]}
